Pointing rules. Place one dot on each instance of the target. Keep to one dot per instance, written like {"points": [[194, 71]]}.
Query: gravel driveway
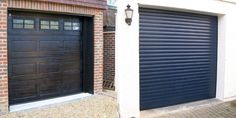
{"points": [[97, 106]]}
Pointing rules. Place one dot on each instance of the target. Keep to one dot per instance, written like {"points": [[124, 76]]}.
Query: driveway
{"points": [[220, 110], [97, 106]]}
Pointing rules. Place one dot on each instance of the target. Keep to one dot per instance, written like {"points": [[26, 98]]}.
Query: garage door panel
{"points": [[71, 58], [161, 18], [50, 87], [171, 24], [148, 54], [42, 60], [17, 55], [177, 57], [24, 46], [71, 85], [22, 93], [23, 89], [180, 85], [150, 77], [176, 24], [71, 65], [50, 46], [168, 101], [175, 15], [174, 72], [48, 67], [172, 36], [154, 58], [71, 45], [176, 94], [182, 78], [174, 18], [51, 59], [23, 69], [175, 42]]}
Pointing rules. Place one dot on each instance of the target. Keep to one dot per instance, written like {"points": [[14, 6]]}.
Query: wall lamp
{"points": [[129, 15]]}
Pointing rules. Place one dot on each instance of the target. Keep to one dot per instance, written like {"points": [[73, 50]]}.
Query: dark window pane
{"points": [[54, 25], [67, 25], [18, 23], [44, 24], [76, 26], [44, 27], [68, 28], [29, 24], [17, 26]]}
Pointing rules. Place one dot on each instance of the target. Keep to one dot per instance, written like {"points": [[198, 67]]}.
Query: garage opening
{"points": [[50, 55], [178, 57]]}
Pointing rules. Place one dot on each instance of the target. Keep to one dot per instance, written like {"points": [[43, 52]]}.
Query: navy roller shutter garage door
{"points": [[178, 55]]}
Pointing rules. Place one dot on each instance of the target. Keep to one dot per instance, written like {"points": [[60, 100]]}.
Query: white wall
{"points": [[127, 47], [126, 60]]}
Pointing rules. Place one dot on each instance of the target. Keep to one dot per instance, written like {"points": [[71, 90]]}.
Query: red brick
{"points": [[3, 53], [109, 56]]}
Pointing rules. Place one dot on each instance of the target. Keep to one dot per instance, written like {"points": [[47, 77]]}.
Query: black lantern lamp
{"points": [[129, 15]]}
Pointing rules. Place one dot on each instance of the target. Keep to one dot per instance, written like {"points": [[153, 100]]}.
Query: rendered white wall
{"points": [[126, 59], [230, 56], [127, 50]]}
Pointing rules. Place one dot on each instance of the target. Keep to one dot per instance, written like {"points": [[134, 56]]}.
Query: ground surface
{"points": [[222, 110], [97, 106], [105, 106]]}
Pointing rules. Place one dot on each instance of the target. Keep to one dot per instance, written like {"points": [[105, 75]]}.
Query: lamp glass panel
{"points": [[129, 13]]}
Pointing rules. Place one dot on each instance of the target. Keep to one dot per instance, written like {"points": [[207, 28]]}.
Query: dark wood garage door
{"points": [[44, 56]]}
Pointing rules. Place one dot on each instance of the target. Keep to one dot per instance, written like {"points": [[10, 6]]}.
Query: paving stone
{"points": [[223, 110]]}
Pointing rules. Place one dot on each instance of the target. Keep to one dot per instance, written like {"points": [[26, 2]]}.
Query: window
{"points": [[71, 26], [47, 24], [23, 24], [29, 24], [75, 26], [67, 26], [44, 24], [54, 25]]}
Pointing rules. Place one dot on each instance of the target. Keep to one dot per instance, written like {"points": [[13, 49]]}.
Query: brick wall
{"points": [[3, 57], [109, 56], [98, 52], [45, 7], [88, 3]]}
